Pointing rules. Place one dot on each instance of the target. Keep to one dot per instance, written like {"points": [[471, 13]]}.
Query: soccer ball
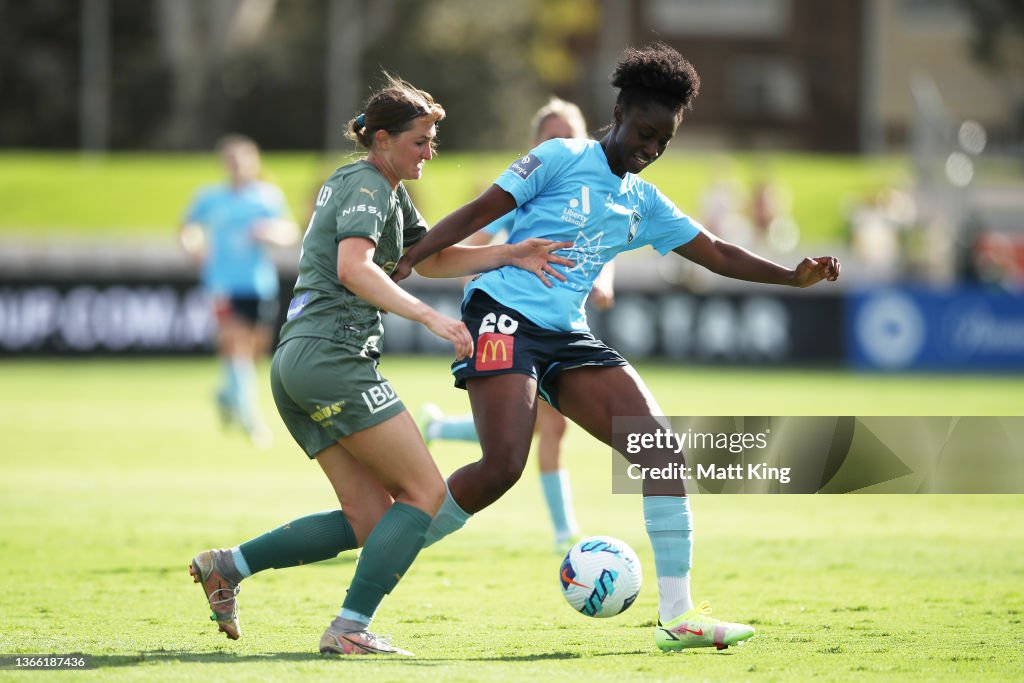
{"points": [[600, 576]]}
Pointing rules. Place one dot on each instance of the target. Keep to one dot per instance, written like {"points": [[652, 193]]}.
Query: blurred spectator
{"points": [[771, 214], [997, 261], [877, 227], [721, 204], [227, 229]]}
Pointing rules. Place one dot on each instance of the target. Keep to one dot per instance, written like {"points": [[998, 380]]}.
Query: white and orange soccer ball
{"points": [[600, 576]]}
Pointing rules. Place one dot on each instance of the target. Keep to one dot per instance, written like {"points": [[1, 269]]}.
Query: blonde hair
{"points": [[556, 106], [229, 140], [393, 108]]}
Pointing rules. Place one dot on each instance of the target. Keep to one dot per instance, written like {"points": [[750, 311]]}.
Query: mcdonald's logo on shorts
{"points": [[494, 351]]}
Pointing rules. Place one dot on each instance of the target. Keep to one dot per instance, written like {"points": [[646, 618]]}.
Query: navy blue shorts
{"points": [[251, 309], [505, 341]]}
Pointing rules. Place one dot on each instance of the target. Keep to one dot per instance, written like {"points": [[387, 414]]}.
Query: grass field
{"points": [[128, 195], [116, 473]]}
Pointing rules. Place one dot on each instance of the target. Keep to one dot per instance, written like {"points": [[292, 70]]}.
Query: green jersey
{"points": [[356, 201]]}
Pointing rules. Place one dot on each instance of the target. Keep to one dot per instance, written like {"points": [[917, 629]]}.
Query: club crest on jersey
{"points": [[634, 225], [525, 167]]}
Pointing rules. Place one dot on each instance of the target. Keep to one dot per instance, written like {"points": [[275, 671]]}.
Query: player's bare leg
{"points": [[505, 410]]}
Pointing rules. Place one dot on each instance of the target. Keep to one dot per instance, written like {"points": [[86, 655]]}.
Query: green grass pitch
{"points": [[115, 473]]}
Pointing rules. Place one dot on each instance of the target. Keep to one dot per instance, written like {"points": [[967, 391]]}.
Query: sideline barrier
{"points": [[955, 329]]}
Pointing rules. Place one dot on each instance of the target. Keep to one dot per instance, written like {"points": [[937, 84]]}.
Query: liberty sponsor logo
{"points": [[503, 324], [324, 412], [380, 397], [578, 209], [525, 167], [494, 351]]}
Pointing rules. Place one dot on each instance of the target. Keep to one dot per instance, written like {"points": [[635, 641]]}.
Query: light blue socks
{"points": [[459, 428], [449, 519], [558, 495], [670, 530]]}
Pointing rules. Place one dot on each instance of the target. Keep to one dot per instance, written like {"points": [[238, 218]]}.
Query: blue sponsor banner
{"points": [[962, 328]]}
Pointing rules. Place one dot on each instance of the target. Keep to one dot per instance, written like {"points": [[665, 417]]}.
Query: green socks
{"points": [[312, 538], [387, 555]]}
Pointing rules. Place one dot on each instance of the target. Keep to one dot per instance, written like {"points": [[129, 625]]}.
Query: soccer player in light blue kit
{"points": [[227, 228], [532, 341], [556, 119]]}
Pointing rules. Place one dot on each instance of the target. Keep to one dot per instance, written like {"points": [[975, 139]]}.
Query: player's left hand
{"points": [[814, 270], [537, 256]]}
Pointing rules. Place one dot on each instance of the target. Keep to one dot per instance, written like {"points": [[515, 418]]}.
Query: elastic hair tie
{"points": [[361, 120]]}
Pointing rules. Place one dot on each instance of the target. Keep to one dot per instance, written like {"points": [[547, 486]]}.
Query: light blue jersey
{"points": [[565, 191], [237, 264]]}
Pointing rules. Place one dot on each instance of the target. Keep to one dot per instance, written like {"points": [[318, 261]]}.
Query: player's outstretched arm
{"points": [[365, 279], [492, 204], [730, 260], [278, 232], [535, 255]]}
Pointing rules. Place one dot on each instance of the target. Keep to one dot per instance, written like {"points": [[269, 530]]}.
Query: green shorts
{"points": [[325, 391]]}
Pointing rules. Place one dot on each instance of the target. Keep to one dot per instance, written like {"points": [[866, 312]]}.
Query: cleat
{"points": [[429, 413], [358, 643], [697, 628], [261, 437], [220, 593]]}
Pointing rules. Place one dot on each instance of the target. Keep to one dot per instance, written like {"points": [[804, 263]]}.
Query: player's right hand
{"points": [[402, 270], [451, 330]]}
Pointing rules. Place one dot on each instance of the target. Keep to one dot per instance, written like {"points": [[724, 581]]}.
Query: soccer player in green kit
{"points": [[326, 382]]}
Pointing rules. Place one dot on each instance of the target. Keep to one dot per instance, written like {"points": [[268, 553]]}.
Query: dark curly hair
{"points": [[655, 73]]}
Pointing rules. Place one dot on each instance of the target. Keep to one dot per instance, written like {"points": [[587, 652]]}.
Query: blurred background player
{"points": [[556, 119], [550, 350], [228, 229], [329, 390]]}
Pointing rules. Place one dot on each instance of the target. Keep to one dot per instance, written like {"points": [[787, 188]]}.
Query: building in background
{"points": [[834, 77], [777, 74]]}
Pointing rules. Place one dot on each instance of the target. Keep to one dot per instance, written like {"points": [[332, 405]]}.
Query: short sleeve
{"points": [[666, 227], [198, 210], [414, 227], [362, 204], [526, 177]]}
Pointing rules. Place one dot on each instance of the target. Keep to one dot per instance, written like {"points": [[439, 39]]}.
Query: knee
{"points": [[426, 495], [363, 517], [500, 473], [553, 429]]}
